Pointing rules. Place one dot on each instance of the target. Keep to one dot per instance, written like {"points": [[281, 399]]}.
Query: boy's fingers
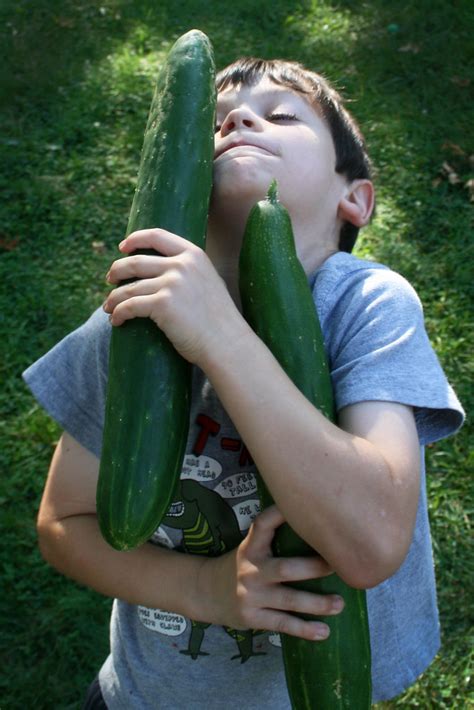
{"points": [[161, 240], [263, 529], [270, 518], [142, 287], [286, 598], [141, 266], [135, 307], [282, 623], [294, 569]]}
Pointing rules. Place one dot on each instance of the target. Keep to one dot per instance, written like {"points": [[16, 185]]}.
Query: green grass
{"points": [[76, 86]]}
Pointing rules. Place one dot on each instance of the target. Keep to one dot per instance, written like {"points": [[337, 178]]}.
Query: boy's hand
{"points": [[245, 587], [179, 289]]}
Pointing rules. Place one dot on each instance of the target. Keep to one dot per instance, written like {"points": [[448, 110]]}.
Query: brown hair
{"points": [[352, 159]]}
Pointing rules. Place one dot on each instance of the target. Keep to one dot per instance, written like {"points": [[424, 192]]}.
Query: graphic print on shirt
{"points": [[209, 526]]}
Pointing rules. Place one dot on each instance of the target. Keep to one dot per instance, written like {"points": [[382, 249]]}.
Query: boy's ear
{"points": [[357, 204]]}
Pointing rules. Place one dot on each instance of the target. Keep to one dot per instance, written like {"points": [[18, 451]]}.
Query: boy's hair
{"points": [[352, 159]]}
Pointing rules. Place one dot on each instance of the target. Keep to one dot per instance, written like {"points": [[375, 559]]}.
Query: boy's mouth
{"points": [[241, 143]]}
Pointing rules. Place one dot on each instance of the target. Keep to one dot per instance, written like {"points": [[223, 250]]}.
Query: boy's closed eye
{"points": [[282, 116], [275, 116]]}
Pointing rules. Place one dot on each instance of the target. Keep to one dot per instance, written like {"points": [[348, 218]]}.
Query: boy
{"points": [[181, 623]]}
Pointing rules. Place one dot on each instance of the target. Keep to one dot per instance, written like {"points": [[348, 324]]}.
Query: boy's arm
{"points": [[241, 589], [70, 538], [351, 491]]}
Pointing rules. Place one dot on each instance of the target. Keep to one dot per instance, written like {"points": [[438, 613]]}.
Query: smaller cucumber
{"points": [[277, 302]]}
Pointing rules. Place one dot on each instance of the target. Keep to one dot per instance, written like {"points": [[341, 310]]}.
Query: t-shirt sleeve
{"points": [[378, 349], [70, 380]]}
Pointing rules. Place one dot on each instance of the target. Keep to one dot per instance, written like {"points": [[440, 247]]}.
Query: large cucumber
{"points": [[148, 394], [277, 303]]}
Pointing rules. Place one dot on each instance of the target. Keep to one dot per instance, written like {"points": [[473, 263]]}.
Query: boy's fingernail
{"points": [[337, 603], [122, 243], [107, 276], [321, 631]]}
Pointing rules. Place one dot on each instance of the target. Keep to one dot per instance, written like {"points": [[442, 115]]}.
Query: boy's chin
{"points": [[239, 194]]}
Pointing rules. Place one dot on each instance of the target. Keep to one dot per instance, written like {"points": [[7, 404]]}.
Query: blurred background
{"points": [[77, 78]]}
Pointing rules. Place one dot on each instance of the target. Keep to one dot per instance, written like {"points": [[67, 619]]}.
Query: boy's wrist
{"points": [[204, 591], [229, 343]]}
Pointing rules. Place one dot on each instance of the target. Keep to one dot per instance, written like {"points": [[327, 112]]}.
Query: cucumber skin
{"points": [[149, 384], [277, 302]]}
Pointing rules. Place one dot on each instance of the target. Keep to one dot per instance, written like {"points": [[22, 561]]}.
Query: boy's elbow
{"points": [[366, 577], [374, 566], [48, 536]]}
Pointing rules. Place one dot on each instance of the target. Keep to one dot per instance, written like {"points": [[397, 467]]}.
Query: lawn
{"points": [[76, 85]]}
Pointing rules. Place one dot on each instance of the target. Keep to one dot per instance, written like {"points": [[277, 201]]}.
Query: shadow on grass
{"points": [[48, 43]]}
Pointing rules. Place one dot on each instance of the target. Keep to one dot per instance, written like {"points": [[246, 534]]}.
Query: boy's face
{"points": [[268, 131]]}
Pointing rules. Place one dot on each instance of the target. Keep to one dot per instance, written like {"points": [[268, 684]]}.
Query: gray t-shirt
{"points": [[378, 349]]}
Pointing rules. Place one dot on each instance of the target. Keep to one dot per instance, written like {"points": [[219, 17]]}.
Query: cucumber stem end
{"points": [[272, 194]]}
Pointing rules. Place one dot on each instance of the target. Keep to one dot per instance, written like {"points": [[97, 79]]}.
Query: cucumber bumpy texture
{"points": [[148, 392], [277, 302]]}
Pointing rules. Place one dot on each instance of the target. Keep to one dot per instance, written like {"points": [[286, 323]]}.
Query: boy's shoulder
{"points": [[350, 280], [342, 265], [377, 345]]}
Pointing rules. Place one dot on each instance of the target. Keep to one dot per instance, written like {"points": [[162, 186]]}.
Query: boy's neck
{"points": [[223, 248]]}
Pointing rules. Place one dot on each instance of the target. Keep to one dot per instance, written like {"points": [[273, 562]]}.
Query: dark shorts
{"points": [[94, 699]]}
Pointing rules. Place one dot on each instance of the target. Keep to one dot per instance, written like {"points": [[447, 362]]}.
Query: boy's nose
{"points": [[239, 118]]}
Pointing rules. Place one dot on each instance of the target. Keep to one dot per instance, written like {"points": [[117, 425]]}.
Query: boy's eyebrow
{"points": [[228, 96]]}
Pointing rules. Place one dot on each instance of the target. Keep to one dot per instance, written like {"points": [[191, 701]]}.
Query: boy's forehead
{"points": [[263, 88]]}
